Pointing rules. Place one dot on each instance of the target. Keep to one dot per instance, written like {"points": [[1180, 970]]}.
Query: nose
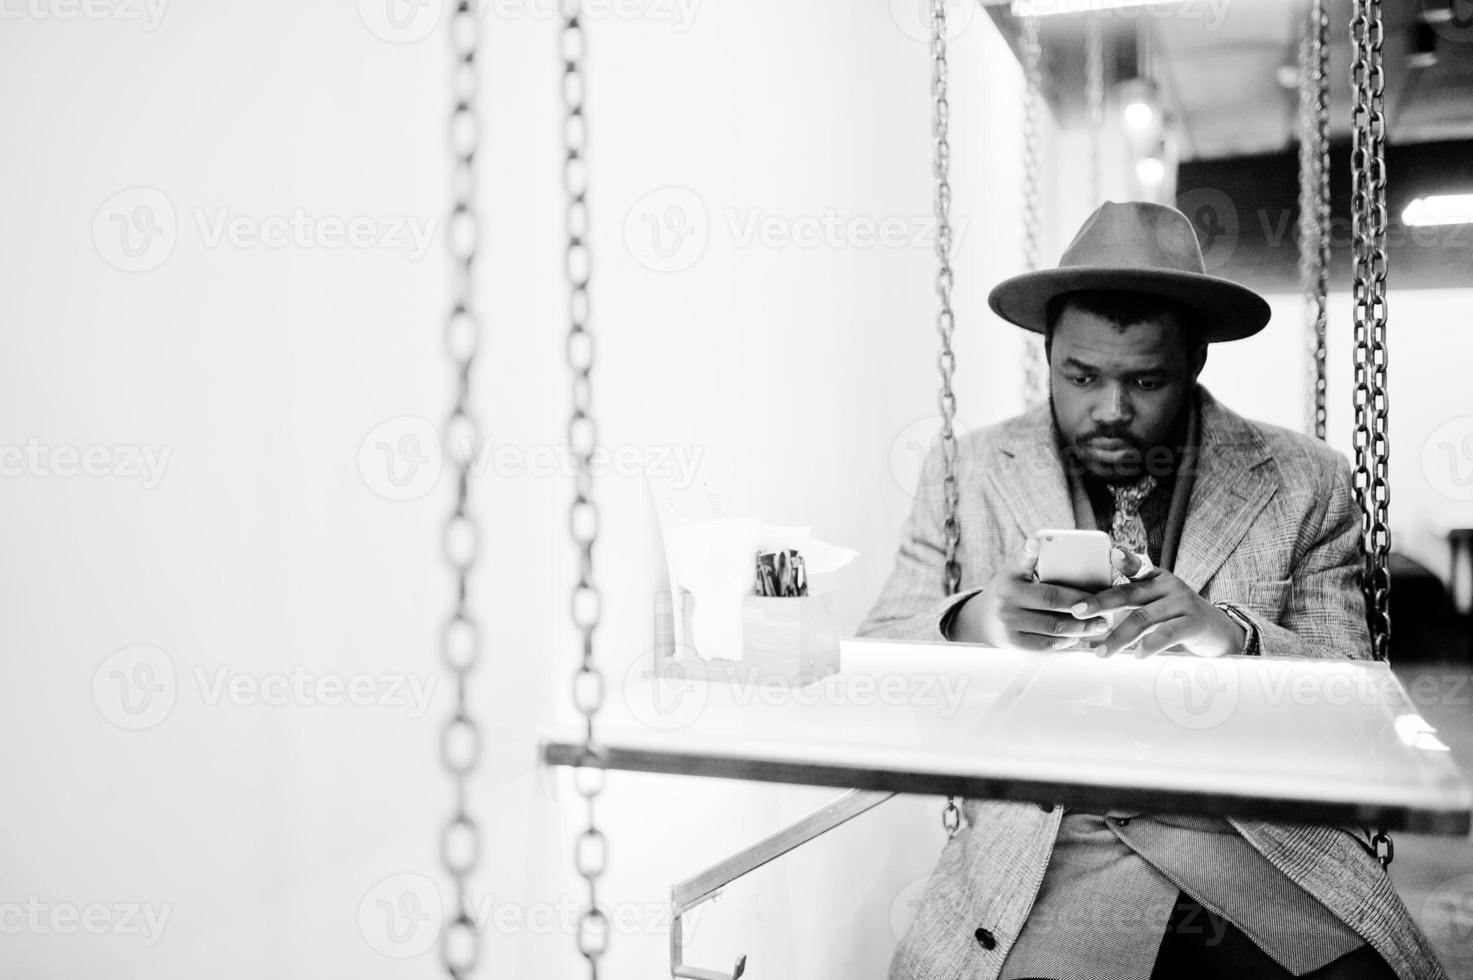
{"points": [[1113, 407]]}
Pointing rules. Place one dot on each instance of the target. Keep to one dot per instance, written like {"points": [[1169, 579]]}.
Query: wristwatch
{"points": [[1250, 631]]}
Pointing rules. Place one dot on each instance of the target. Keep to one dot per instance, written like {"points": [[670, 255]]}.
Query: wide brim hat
{"points": [[1136, 247]]}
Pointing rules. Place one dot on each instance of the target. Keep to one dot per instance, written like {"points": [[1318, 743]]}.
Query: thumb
{"points": [[1025, 561]]}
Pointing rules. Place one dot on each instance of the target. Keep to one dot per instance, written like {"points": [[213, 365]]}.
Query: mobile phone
{"points": [[1078, 559]]}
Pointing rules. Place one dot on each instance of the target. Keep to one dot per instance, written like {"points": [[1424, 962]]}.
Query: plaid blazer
{"points": [[1273, 528]]}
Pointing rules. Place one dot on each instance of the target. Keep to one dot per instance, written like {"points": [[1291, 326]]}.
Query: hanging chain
{"points": [[1035, 370], [945, 322], [1314, 207], [1372, 446], [590, 853], [1094, 96], [460, 738]]}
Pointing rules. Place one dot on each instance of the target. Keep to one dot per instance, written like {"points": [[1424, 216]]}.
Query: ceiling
{"points": [[1218, 67]]}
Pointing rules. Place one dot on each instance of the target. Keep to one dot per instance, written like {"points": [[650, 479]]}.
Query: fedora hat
{"points": [[1136, 247]]}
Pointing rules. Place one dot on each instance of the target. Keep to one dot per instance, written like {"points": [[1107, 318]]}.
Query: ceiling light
{"points": [[1150, 171], [1439, 209], [1044, 8], [1138, 114]]}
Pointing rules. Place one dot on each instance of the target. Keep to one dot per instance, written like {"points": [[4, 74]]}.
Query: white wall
{"points": [[269, 833], [1431, 407]]}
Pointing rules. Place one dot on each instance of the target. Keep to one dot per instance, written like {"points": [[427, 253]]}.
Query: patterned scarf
{"points": [[1127, 530]]}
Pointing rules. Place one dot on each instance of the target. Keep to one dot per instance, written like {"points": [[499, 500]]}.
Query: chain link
{"points": [[1314, 207], [945, 319], [590, 853], [1094, 97], [1035, 370], [1372, 445], [460, 737]]}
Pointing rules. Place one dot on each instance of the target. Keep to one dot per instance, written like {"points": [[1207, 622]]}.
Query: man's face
{"points": [[1118, 393]]}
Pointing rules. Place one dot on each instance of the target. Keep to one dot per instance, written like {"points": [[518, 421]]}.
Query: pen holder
{"points": [[793, 638]]}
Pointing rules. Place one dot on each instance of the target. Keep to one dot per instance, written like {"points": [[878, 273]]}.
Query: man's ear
{"points": [[1199, 360]]}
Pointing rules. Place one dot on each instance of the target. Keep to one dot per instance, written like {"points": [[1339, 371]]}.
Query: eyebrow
{"points": [[1078, 365]]}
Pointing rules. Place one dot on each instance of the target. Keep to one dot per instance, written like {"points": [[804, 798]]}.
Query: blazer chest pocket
{"points": [[1270, 598]]}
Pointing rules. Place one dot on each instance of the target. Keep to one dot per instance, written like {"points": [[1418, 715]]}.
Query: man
{"points": [[1231, 537]]}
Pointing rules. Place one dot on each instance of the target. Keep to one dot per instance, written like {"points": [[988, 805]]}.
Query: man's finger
{"points": [[1040, 644], [1129, 564], [1046, 597], [1025, 560], [1051, 624], [1164, 636], [1140, 593], [1136, 625]]}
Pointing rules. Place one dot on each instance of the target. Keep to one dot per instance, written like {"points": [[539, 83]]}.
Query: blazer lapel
{"points": [[1230, 491], [1029, 475]]}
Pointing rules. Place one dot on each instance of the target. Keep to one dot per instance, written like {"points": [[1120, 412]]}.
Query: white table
{"points": [[1304, 740]]}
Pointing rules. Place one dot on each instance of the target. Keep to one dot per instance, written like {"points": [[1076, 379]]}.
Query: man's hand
{"points": [[1014, 610], [1167, 613]]}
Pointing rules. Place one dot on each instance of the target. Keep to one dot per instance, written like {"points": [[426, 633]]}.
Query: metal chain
{"points": [[1094, 96], [1314, 207], [945, 321], [1035, 371], [590, 854], [460, 738], [1372, 445]]}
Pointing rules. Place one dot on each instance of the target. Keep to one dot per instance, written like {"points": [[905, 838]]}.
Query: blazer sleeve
{"points": [[1325, 614], [913, 604]]}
